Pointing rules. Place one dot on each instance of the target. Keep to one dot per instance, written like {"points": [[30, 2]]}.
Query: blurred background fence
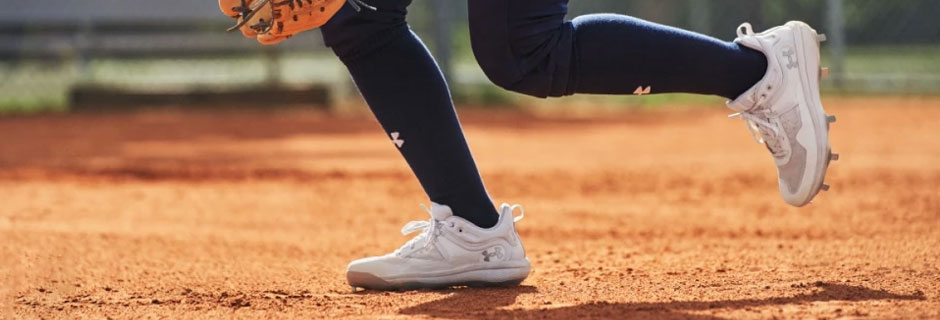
{"points": [[61, 54]]}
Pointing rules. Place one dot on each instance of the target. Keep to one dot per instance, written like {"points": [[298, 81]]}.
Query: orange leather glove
{"points": [[273, 21]]}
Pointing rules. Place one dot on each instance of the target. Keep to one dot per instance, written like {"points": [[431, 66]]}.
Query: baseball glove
{"points": [[273, 21]]}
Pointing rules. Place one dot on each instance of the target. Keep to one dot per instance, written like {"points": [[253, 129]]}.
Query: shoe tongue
{"points": [[441, 212]]}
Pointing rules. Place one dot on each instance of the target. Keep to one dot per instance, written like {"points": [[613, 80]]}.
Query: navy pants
{"points": [[524, 46], [499, 28], [527, 46], [406, 92]]}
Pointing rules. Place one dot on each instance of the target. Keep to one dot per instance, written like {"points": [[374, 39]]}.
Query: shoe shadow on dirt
{"points": [[466, 303]]}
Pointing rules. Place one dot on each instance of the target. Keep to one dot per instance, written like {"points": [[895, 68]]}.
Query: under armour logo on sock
{"points": [[398, 142], [642, 91], [792, 62]]}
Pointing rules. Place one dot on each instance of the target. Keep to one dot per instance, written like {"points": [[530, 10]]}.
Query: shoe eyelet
{"points": [[460, 230]]}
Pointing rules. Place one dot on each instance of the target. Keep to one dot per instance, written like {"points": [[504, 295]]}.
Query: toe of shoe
{"points": [[367, 280], [369, 272], [797, 199], [367, 265]]}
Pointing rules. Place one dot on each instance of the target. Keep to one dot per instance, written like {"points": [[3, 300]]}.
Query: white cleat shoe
{"points": [[449, 251], [783, 110]]}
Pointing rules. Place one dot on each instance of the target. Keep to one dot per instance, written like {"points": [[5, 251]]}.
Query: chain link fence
{"points": [[50, 48]]}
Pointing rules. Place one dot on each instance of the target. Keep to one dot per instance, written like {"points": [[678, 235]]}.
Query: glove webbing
{"points": [[246, 12]]}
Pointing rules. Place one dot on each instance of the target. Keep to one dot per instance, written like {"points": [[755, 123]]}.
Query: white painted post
{"points": [[835, 25]]}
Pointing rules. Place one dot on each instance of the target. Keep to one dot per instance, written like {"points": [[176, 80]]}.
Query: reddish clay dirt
{"points": [[655, 214]]}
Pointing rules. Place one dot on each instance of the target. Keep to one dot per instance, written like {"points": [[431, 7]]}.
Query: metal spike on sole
{"points": [[825, 187], [821, 37], [830, 118], [834, 157], [824, 72]]}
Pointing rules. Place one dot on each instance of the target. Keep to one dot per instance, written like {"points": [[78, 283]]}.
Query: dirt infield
{"points": [[655, 214]]}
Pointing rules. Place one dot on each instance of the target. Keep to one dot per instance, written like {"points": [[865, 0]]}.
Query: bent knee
{"points": [[507, 70], [499, 68], [537, 66]]}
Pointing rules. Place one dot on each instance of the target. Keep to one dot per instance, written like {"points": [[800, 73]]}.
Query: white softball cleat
{"points": [[783, 110], [449, 251]]}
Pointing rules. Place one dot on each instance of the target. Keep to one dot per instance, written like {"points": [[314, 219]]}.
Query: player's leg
{"points": [[527, 47], [466, 240], [406, 92]]}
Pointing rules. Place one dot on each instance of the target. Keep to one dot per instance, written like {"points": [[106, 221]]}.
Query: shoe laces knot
{"points": [[763, 130], [430, 230]]}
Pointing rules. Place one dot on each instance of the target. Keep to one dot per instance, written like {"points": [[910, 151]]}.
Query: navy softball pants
{"points": [[524, 46], [406, 92], [527, 46]]}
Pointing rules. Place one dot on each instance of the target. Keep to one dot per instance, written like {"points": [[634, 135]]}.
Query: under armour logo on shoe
{"points": [[398, 142], [497, 253], [793, 63], [642, 91]]}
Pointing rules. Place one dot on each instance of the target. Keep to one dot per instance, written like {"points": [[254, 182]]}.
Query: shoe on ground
{"points": [[783, 110], [449, 251]]}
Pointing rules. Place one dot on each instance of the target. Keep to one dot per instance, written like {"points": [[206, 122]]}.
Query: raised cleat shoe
{"points": [[783, 110], [449, 251]]}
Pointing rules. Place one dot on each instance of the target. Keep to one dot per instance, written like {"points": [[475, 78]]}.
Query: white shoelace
{"points": [[430, 229], [763, 131]]}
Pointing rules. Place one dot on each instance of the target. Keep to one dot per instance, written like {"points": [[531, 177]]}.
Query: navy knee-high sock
{"points": [[616, 54], [408, 95]]}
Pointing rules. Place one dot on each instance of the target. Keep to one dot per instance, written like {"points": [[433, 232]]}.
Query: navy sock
{"points": [[408, 95], [616, 54]]}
